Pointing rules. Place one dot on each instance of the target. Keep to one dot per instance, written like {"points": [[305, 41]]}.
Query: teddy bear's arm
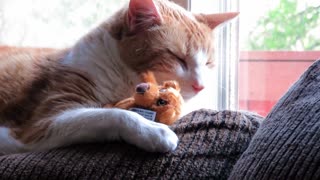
{"points": [[124, 104], [167, 117]]}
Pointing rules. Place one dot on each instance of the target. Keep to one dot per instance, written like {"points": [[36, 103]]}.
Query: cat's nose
{"points": [[197, 87], [142, 88]]}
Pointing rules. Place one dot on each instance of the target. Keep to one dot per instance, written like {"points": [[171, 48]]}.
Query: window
{"points": [[223, 83], [279, 40], [39, 23], [259, 54]]}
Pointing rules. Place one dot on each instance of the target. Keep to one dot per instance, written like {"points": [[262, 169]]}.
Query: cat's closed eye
{"points": [[183, 63], [180, 60]]}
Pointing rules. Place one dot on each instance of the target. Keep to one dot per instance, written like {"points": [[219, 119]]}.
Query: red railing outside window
{"points": [[264, 76]]}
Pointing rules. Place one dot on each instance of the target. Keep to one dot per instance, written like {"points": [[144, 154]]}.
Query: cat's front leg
{"points": [[101, 124]]}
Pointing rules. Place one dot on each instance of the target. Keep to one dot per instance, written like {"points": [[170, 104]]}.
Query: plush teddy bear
{"points": [[160, 103]]}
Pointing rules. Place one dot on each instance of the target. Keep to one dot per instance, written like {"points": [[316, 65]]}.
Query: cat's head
{"points": [[172, 42]]}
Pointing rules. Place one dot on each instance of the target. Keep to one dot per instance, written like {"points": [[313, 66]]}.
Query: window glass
{"points": [[222, 83], [57, 23], [279, 40]]}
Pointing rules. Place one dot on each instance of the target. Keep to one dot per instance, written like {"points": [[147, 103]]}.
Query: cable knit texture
{"points": [[210, 144], [287, 145]]}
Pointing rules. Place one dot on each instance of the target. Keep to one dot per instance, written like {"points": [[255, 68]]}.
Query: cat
{"points": [[51, 98]]}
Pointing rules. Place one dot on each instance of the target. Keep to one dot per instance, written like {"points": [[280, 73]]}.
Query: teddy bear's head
{"points": [[164, 99]]}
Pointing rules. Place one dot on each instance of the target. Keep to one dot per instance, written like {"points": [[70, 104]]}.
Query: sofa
{"points": [[213, 145]]}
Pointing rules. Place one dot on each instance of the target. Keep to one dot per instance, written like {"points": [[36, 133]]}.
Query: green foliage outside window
{"points": [[288, 27]]}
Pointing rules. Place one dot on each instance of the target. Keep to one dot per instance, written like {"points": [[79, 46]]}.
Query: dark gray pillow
{"points": [[287, 145], [210, 144]]}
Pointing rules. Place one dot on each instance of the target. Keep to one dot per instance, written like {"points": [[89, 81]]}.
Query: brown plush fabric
{"points": [[210, 144], [287, 145]]}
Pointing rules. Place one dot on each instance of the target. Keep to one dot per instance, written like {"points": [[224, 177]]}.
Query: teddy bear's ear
{"points": [[172, 84], [148, 76]]}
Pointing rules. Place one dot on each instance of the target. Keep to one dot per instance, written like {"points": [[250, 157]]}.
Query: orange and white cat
{"points": [[51, 98]]}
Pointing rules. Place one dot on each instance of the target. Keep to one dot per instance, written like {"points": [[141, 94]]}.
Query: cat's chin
{"points": [[188, 96]]}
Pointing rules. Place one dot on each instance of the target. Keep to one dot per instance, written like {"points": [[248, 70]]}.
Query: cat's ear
{"points": [[214, 20], [142, 14]]}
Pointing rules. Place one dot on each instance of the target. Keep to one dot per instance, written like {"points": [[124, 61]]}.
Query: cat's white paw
{"points": [[162, 139], [151, 136]]}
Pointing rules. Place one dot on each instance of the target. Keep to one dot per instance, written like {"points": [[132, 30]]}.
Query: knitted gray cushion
{"points": [[210, 144], [287, 145]]}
